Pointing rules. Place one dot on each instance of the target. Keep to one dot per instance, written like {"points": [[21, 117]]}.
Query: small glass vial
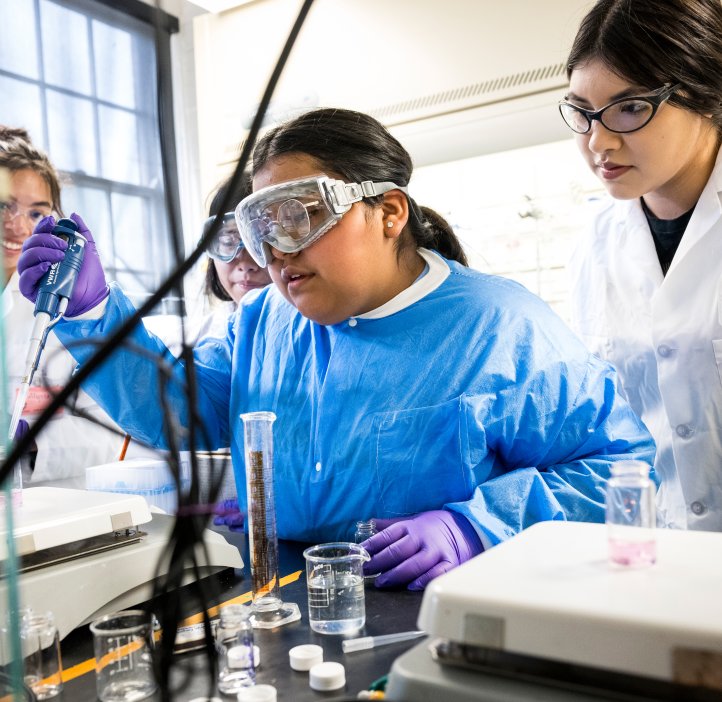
{"points": [[631, 515], [365, 529], [234, 641], [40, 645]]}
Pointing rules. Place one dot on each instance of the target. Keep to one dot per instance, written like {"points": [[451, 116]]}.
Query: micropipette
{"points": [[54, 291], [365, 642]]}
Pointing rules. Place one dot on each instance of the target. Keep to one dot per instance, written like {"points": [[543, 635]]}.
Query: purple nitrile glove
{"points": [[414, 551], [230, 515], [42, 249], [22, 428]]}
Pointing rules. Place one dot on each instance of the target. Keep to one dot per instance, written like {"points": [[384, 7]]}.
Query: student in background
{"points": [[68, 444], [645, 103], [231, 272]]}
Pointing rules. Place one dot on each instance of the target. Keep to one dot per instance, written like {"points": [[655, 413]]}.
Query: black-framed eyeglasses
{"points": [[226, 243], [621, 116]]}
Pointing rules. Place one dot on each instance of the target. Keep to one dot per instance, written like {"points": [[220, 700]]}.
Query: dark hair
{"points": [[212, 285], [18, 153], [653, 42], [356, 147]]}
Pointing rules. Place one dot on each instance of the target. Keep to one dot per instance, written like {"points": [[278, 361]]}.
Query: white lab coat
{"points": [[664, 334], [67, 445]]}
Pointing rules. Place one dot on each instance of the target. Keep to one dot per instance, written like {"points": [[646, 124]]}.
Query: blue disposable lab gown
{"points": [[475, 397]]}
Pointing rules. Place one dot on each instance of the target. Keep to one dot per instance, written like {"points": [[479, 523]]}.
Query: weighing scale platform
{"points": [[87, 553], [548, 600]]}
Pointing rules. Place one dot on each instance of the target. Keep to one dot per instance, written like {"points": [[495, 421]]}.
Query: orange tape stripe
{"points": [[88, 666]]}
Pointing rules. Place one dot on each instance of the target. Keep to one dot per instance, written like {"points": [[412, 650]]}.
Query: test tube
{"points": [[269, 610]]}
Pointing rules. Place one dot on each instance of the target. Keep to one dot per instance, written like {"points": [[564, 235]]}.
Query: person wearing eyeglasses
{"points": [[68, 444], [645, 104], [454, 407]]}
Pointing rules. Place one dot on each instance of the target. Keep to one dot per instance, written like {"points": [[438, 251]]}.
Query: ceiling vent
{"points": [[515, 85]]}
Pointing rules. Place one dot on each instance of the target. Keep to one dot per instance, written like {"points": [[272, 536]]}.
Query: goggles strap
{"points": [[345, 194]]}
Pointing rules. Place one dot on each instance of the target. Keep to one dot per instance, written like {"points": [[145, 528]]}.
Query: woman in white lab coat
{"points": [[68, 444], [645, 101]]}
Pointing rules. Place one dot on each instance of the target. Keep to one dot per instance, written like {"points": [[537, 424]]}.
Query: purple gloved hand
{"points": [[414, 551], [229, 515], [22, 428], [42, 249]]}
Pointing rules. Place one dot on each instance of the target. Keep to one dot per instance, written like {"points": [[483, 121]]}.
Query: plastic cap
{"points": [[306, 656], [257, 693], [327, 676], [238, 657]]}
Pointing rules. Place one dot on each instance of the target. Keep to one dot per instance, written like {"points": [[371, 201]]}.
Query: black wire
{"points": [[187, 534]]}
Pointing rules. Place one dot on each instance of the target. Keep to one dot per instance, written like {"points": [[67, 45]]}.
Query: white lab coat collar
{"points": [[706, 213], [438, 271], [634, 237]]}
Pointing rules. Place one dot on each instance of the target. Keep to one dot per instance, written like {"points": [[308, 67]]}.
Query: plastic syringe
{"points": [[365, 642]]}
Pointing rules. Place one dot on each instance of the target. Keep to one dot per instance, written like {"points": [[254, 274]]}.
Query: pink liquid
{"points": [[632, 554]]}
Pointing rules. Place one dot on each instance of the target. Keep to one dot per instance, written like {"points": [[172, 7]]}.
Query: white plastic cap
{"points": [[304, 657], [327, 676], [257, 693], [238, 657]]}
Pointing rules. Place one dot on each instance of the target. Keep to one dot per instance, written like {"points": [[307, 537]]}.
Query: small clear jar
{"points": [[365, 529], [234, 642], [631, 515], [40, 645]]}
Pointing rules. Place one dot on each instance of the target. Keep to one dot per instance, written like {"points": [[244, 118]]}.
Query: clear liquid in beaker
{"points": [[336, 603]]}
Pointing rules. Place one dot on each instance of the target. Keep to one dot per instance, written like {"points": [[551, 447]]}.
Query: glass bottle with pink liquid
{"points": [[631, 515]]}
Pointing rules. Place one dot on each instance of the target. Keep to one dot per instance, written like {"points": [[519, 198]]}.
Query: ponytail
{"points": [[430, 230]]}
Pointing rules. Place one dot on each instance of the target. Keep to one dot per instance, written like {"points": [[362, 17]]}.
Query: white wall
{"points": [[426, 68]]}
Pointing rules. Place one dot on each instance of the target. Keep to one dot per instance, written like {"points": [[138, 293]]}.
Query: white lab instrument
{"points": [[90, 553], [544, 616], [150, 478], [364, 643]]}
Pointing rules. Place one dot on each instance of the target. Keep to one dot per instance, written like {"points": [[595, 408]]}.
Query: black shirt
{"points": [[667, 233]]}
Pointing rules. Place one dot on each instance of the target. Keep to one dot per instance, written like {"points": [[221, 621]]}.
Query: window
{"points": [[80, 76], [517, 213]]}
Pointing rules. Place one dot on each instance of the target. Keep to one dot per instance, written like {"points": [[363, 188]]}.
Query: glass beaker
{"points": [[42, 666], [631, 515], [335, 583], [123, 642], [269, 610]]}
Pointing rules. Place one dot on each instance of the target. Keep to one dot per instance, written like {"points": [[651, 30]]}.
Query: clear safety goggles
{"points": [[226, 243], [293, 215], [10, 211]]}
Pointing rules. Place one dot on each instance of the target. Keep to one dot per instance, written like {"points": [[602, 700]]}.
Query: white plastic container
{"points": [[150, 478]]}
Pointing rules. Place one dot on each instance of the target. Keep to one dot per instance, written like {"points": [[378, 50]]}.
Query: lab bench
{"points": [[387, 611]]}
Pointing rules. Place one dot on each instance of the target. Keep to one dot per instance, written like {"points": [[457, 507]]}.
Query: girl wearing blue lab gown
{"points": [[453, 406]]}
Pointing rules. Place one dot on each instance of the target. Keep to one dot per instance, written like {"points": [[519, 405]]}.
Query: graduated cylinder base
{"points": [[272, 612]]}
